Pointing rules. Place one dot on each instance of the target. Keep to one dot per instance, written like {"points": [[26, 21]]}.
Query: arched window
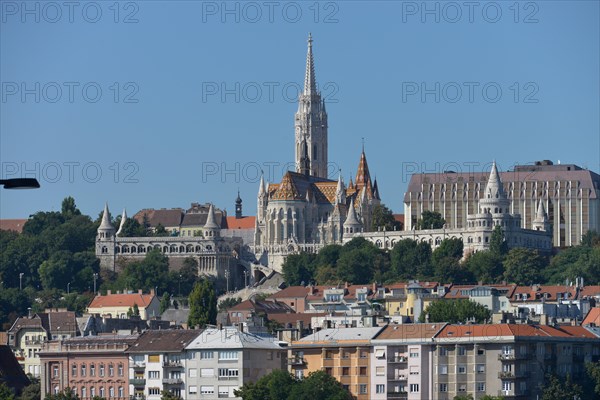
{"points": [[117, 249], [104, 249], [125, 249], [133, 249], [165, 249]]}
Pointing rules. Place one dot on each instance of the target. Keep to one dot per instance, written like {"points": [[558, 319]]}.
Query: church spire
{"points": [[310, 83]]}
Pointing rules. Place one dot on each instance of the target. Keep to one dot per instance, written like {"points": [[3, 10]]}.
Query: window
{"points": [[101, 391], [111, 370], [121, 391], [462, 351], [329, 371], [153, 391], [154, 374], [414, 353], [345, 371], [443, 369], [92, 391], [111, 391], [363, 371], [207, 390], [74, 370], [193, 389], [92, 371], [443, 351], [345, 354], [227, 373], [120, 369], [380, 371], [461, 369], [362, 389], [154, 358], [506, 350], [443, 387], [83, 393], [414, 370], [299, 374], [480, 387], [228, 355], [192, 372], [101, 372], [462, 387], [480, 351], [414, 388], [224, 391], [379, 388], [364, 354], [207, 372], [506, 386], [55, 371]]}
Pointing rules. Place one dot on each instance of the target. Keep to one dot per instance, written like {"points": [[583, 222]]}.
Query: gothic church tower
{"points": [[311, 124]]}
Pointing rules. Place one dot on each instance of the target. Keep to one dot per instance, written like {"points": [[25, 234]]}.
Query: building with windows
{"points": [[493, 208], [27, 334], [157, 362], [222, 359], [569, 194], [91, 366], [118, 305], [345, 354], [307, 210]]}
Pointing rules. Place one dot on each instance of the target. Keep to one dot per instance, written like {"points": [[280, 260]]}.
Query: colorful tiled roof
{"points": [[287, 189], [240, 223]]}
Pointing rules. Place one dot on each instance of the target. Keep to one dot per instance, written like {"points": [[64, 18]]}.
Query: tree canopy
{"points": [[455, 311], [431, 220], [203, 304]]}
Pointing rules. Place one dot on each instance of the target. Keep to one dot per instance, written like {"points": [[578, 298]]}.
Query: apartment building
{"points": [[222, 359], [117, 305], [157, 361], [343, 353], [27, 334], [402, 361], [91, 366], [509, 360]]}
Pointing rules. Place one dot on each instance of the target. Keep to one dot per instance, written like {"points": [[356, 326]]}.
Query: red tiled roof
{"points": [[515, 330], [121, 300], [589, 291], [240, 223], [536, 293], [12, 225], [410, 331], [290, 292], [454, 292], [592, 317]]}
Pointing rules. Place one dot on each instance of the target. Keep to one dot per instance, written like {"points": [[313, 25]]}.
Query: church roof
{"points": [[287, 189], [362, 173], [106, 219]]}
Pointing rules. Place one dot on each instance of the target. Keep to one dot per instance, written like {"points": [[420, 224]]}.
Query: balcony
{"points": [[512, 375], [397, 395], [172, 381], [172, 364], [137, 397], [137, 381], [397, 378], [33, 343], [296, 361], [227, 378], [509, 394], [139, 364], [398, 359]]}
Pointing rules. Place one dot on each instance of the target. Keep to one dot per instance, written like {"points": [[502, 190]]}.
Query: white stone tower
{"points": [[311, 123], [105, 241]]}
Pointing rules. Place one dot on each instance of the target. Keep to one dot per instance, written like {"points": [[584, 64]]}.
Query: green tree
{"points": [[431, 220], [165, 302], [136, 310], [160, 231], [66, 394], [297, 268], [132, 228], [151, 272], [592, 370], [450, 247], [498, 244], [449, 270], [274, 386], [319, 385], [485, 266], [69, 209], [31, 391], [523, 266], [383, 218], [411, 259], [557, 388], [463, 397], [6, 393], [203, 305], [228, 303], [167, 395], [455, 311], [326, 275]]}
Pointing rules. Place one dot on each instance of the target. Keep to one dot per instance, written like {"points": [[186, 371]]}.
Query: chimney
{"points": [[108, 292], [374, 287], [300, 327], [152, 291], [139, 291], [346, 285]]}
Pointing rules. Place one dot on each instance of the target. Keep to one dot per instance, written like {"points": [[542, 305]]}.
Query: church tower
{"points": [[311, 123]]}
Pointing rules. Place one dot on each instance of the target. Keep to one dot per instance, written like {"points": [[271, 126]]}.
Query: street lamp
{"points": [[95, 277], [20, 183], [21, 280], [179, 285], [245, 279], [68, 287]]}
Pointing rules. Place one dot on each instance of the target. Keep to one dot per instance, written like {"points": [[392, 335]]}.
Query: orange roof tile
{"points": [[240, 223], [410, 331], [536, 292], [121, 300], [590, 291], [592, 317], [12, 225], [513, 330]]}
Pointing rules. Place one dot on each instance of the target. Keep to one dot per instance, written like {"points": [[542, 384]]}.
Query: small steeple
{"points": [[541, 223], [122, 224], [494, 187], [238, 206], [352, 224], [211, 228], [363, 177], [340, 192], [106, 230], [310, 82], [261, 187]]}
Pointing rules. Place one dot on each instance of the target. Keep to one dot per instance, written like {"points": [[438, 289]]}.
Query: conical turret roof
{"points": [[105, 224], [211, 220]]}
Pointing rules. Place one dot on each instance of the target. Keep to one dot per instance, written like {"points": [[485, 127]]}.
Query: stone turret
{"points": [[211, 228], [352, 225], [541, 223]]}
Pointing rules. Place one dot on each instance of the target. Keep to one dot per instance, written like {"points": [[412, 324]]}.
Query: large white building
{"points": [[493, 209], [307, 209]]}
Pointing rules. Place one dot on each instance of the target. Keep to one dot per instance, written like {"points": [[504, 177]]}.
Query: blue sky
{"points": [[156, 104]]}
